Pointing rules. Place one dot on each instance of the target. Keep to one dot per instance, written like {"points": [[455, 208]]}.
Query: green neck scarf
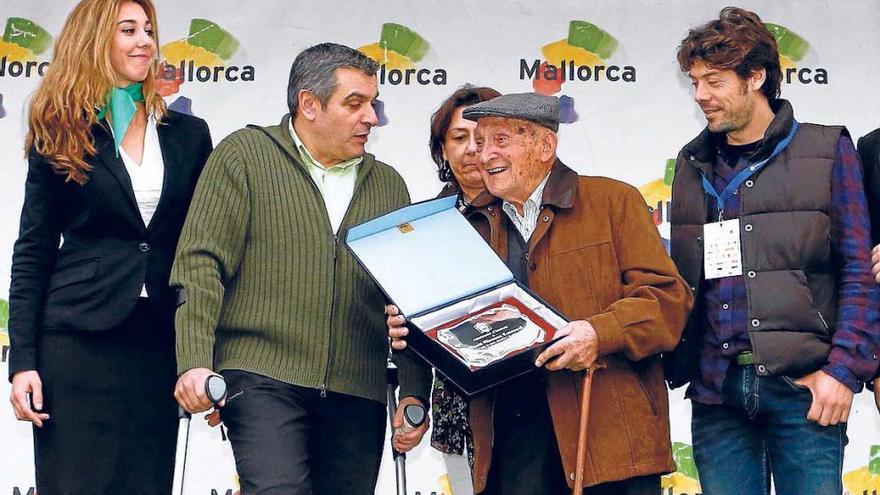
{"points": [[121, 104]]}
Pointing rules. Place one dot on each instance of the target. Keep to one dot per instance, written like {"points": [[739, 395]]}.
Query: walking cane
{"points": [[413, 417], [215, 388], [578, 488]]}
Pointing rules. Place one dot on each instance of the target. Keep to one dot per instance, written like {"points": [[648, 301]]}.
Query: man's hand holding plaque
{"points": [[396, 327], [577, 350]]}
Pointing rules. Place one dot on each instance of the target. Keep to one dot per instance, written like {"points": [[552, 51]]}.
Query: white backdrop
{"points": [[626, 128]]}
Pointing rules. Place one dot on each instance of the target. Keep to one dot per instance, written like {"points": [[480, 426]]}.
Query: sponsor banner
{"points": [[627, 110]]}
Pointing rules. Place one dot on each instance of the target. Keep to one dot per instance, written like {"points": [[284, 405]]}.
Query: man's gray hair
{"points": [[314, 70]]}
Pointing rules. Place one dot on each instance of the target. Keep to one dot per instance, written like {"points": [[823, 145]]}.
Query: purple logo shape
{"points": [[182, 105], [567, 113], [379, 107]]}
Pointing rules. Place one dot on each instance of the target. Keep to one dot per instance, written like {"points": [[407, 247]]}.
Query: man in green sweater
{"points": [[271, 299]]}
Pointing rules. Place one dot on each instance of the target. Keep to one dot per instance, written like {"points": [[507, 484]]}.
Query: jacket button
{"points": [[691, 158], [546, 218], [749, 227], [490, 209], [752, 274], [756, 322], [762, 368], [144, 247], [725, 345], [750, 183], [693, 289], [571, 476]]}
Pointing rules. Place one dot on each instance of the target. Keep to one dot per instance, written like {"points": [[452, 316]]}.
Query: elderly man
{"points": [[271, 300], [588, 247], [770, 227]]}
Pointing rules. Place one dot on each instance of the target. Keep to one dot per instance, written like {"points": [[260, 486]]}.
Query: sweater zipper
{"points": [[335, 235], [323, 387]]}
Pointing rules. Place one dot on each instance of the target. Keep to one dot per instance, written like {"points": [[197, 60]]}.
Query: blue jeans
{"points": [[762, 429]]}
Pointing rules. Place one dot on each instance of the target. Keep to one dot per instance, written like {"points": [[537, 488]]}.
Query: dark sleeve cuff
{"points": [[421, 399], [844, 376], [414, 374], [21, 360]]}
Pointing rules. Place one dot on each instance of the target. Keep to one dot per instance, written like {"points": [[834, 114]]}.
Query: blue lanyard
{"points": [[745, 173]]}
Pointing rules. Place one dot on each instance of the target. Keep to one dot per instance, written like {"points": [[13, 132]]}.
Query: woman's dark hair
{"points": [[738, 41], [464, 96]]}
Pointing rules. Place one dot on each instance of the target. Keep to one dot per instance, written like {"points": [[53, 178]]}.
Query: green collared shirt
{"points": [[336, 183]]}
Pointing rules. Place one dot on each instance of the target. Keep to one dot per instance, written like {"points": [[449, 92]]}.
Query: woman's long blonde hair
{"points": [[77, 82]]}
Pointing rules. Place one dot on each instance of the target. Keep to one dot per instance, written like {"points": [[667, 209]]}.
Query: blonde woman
{"points": [[110, 177]]}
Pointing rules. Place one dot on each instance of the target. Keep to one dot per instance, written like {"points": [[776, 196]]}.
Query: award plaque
{"points": [[467, 315], [492, 333]]}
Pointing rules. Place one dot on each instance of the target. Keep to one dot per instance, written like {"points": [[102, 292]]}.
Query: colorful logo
{"points": [[865, 480], [658, 195], [792, 50], [22, 41], [685, 480], [397, 52], [445, 485], [205, 55], [4, 330], [579, 57]]}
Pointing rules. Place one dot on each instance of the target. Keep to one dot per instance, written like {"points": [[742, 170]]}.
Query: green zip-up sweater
{"points": [[266, 285]]}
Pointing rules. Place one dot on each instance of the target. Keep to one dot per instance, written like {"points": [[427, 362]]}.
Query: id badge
{"points": [[722, 255]]}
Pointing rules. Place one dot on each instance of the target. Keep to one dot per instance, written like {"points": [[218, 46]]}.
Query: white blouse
{"points": [[146, 177]]}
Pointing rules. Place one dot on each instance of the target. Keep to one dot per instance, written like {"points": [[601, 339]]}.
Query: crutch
{"points": [[413, 417], [215, 388], [578, 487]]}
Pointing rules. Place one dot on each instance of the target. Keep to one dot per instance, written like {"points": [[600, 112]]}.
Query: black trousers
{"points": [[113, 425], [525, 455], [289, 440], [642, 485]]}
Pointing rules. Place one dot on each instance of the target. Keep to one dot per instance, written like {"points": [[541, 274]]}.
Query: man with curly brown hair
{"points": [[770, 228]]}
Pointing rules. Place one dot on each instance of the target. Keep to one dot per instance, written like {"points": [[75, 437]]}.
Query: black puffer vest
{"points": [[785, 230]]}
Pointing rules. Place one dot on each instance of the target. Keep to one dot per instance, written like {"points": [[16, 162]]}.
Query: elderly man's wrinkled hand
{"points": [[577, 349], [396, 327]]}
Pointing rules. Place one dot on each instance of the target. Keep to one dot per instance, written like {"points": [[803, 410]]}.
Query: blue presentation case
{"points": [[432, 264]]}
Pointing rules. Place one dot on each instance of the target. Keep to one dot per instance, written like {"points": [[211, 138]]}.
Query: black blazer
{"points": [[869, 149], [92, 282]]}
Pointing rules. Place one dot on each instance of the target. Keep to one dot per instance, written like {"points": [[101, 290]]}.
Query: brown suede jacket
{"points": [[597, 256]]}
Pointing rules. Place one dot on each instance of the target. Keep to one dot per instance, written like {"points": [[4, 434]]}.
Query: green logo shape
{"points": [[791, 44], [4, 314], [684, 460], [874, 460], [591, 38], [27, 34], [213, 38], [404, 41], [670, 172]]}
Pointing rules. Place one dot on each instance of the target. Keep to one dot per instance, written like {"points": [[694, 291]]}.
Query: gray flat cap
{"points": [[540, 109]]}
